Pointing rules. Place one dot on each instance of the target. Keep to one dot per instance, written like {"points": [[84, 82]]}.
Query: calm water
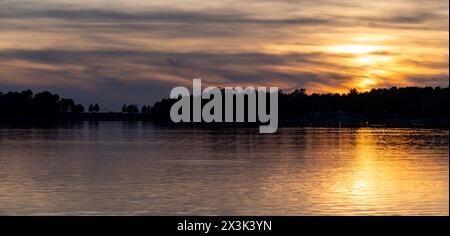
{"points": [[137, 168]]}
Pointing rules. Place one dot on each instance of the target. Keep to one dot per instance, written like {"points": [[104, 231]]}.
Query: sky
{"points": [[126, 51]]}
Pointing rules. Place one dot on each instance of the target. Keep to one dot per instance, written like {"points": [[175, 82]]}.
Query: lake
{"points": [[123, 168]]}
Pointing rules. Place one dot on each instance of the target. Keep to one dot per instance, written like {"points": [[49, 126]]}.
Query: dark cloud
{"points": [[432, 81], [210, 17], [414, 17], [437, 64], [155, 17], [133, 76], [137, 54], [227, 23], [420, 17], [409, 20], [75, 56]]}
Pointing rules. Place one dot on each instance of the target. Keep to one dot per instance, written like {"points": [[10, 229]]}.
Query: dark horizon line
{"points": [[292, 91], [402, 106]]}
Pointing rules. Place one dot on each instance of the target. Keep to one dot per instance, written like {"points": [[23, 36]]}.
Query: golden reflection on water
{"points": [[376, 181], [115, 168], [370, 172]]}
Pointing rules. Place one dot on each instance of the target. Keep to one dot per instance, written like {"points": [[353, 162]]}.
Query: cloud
{"points": [[121, 72], [132, 51], [431, 81], [241, 15], [168, 16]]}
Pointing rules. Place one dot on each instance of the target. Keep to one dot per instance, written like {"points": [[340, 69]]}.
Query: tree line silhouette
{"points": [[407, 102], [47, 104], [26, 103], [134, 108]]}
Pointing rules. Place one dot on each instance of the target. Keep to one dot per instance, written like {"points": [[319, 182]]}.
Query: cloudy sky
{"points": [[128, 51]]}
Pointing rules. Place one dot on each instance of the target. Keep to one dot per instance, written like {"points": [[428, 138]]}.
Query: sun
{"points": [[364, 60], [371, 60], [366, 83]]}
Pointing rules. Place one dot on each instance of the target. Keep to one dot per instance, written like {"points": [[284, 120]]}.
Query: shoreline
{"points": [[316, 120]]}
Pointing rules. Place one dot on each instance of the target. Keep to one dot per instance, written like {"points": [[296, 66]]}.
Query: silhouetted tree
{"points": [[66, 105], [393, 102], [44, 104], [353, 92], [383, 102], [145, 109], [132, 109], [96, 108], [78, 108]]}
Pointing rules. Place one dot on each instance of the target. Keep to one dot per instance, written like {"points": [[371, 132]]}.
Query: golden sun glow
{"points": [[289, 44], [365, 83], [371, 59], [356, 48]]}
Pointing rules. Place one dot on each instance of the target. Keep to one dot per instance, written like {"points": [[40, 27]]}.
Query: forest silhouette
{"points": [[382, 103], [409, 102]]}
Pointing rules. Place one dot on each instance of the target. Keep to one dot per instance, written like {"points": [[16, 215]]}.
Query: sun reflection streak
{"points": [[365, 171], [375, 180]]}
